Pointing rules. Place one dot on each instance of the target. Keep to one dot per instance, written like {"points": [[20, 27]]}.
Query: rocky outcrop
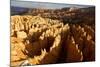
{"points": [[80, 44], [41, 38], [47, 39]]}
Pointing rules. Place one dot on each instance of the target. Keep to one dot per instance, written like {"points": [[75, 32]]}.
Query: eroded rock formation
{"points": [[47, 39], [41, 38]]}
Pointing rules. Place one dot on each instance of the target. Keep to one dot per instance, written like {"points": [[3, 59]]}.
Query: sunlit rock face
{"points": [[41, 38], [48, 38]]}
